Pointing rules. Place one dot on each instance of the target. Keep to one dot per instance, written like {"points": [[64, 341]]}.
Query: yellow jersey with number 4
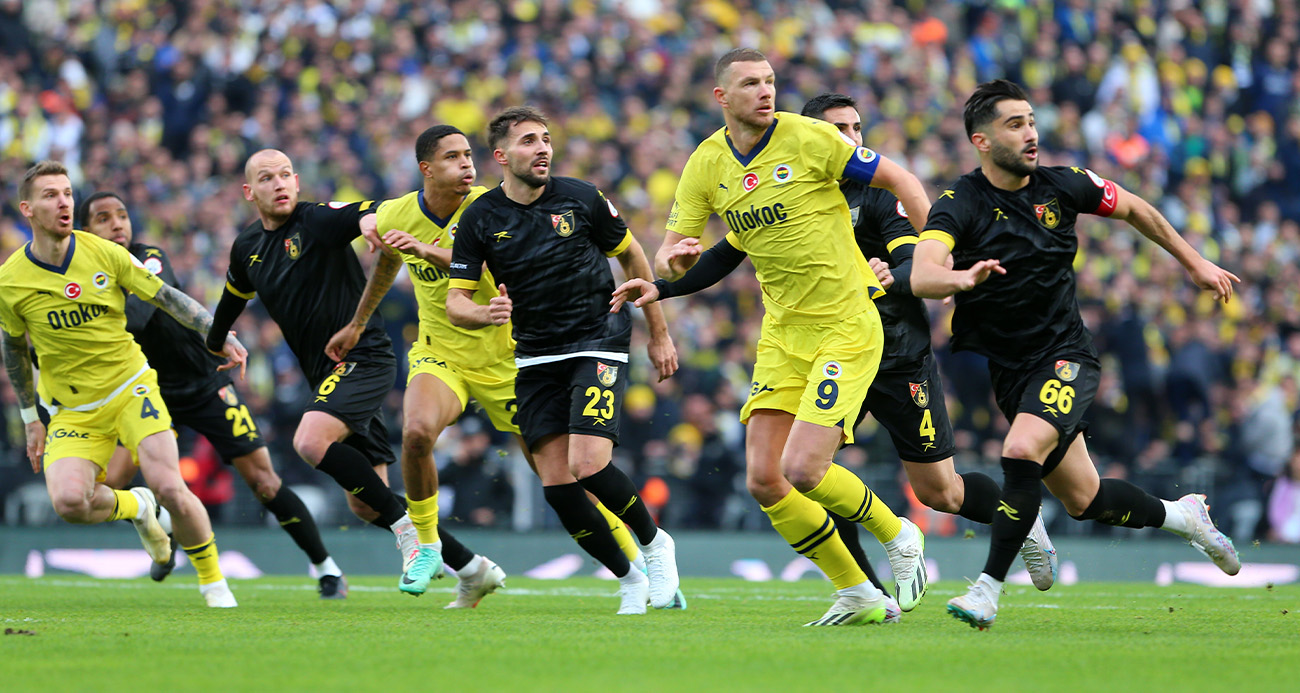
{"points": [[782, 201], [74, 316], [466, 348]]}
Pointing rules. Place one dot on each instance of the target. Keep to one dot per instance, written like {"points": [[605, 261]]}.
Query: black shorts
{"points": [[354, 393], [1058, 391], [908, 401], [580, 395], [222, 418]]}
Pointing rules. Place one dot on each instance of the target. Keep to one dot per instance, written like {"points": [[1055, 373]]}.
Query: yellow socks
{"points": [[621, 533], [843, 493], [424, 515], [809, 530], [128, 506], [204, 558]]}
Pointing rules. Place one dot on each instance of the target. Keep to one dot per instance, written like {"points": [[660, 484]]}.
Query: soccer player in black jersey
{"points": [[199, 396], [1009, 228], [546, 240], [906, 396], [297, 259]]}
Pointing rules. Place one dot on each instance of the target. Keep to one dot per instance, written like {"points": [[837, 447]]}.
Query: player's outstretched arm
{"points": [[1148, 220], [463, 312], [193, 315], [662, 352], [18, 364], [931, 277], [407, 244], [677, 254], [377, 286], [715, 264], [905, 186]]}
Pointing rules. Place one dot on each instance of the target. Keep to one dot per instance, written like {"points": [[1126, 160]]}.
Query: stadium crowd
{"points": [[1191, 105]]}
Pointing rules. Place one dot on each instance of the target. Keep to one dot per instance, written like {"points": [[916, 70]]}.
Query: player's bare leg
{"points": [[159, 464], [428, 407], [119, 474], [76, 496]]}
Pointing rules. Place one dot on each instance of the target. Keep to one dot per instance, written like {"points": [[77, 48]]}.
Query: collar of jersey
{"points": [[67, 257], [442, 223], [745, 159]]}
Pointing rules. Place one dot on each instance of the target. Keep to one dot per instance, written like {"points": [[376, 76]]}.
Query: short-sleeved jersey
{"points": [[467, 348], [74, 316], [553, 257], [783, 201], [309, 279], [1029, 314], [185, 367], [882, 230]]}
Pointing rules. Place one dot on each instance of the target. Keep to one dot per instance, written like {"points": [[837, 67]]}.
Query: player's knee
{"points": [[418, 436], [73, 505], [170, 492], [765, 489], [942, 497], [1023, 450], [309, 446], [1076, 502], [364, 512], [264, 485]]}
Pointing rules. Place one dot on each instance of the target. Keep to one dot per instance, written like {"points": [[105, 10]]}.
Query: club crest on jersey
{"points": [[563, 223], [227, 395], [1067, 370], [452, 231], [606, 374], [140, 390], [100, 280], [749, 182], [153, 264], [1048, 213], [72, 290], [782, 173], [831, 370], [920, 393], [293, 246], [344, 368]]}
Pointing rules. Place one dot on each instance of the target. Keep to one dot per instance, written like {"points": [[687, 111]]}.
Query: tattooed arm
{"points": [[381, 279], [18, 363], [193, 315]]}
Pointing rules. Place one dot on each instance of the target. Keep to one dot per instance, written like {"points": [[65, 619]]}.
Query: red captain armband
{"points": [[1109, 194]]}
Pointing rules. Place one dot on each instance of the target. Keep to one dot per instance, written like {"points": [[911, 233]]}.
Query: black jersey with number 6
{"points": [[1031, 313], [553, 257], [186, 369], [309, 279]]}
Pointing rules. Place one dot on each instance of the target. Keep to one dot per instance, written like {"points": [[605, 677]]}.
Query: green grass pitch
{"points": [[563, 636]]}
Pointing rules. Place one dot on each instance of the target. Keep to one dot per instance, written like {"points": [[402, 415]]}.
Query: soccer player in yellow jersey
{"points": [[774, 179], [64, 290], [447, 364]]}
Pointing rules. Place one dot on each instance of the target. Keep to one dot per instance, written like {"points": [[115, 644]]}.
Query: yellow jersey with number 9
{"points": [[782, 200], [466, 348], [74, 316]]}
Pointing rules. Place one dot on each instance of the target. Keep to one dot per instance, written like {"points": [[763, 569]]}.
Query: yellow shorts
{"points": [[492, 387], [135, 414], [820, 372]]}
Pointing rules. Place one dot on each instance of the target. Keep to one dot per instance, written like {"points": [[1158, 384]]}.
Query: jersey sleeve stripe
{"points": [[901, 240], [734, 240], [246, 296], [622, 245], [942, 236], [466, 284]]}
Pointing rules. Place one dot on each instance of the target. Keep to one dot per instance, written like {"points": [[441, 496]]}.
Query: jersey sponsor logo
{"points": [[1067, 370], [865, 155], [723, 186], [227, 395], [749, 182], [831, 370], [920, 393], [459, 265], [757, 387], [100, 280], [781, 173], [606, 374], [72, 290], [502, 235], [755, 217], [254, 259], [948, 194], [80, 315], [140, 390], [153, 264], [998, 215], [293, 246], [902, 211], [426, 272], [65, 433], [562, 223], [1048, 213]]}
